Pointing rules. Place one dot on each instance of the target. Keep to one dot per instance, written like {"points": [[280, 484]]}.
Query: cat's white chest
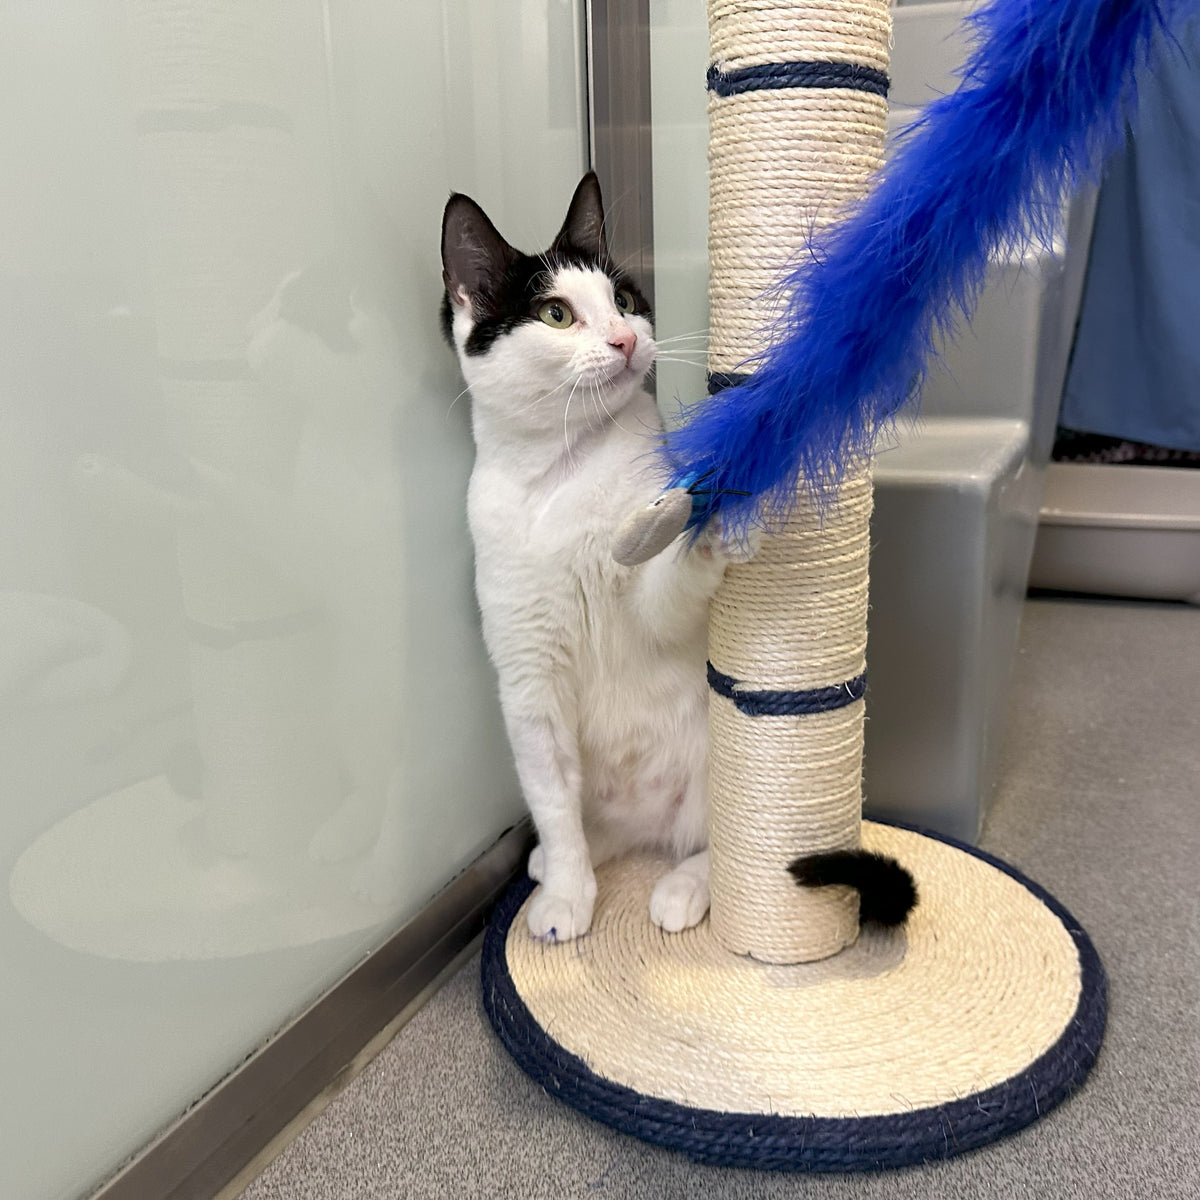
{"points": [[541, 556]]}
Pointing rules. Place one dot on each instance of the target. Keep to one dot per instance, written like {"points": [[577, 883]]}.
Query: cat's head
{"points": [[545, 340]]}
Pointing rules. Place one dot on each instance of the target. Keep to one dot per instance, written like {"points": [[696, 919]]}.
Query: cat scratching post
{"points": [[776, 1034], [797, 113]]}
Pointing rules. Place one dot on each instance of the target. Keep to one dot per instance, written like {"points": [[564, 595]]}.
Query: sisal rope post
{"points": [[797, 115], [686, 1039]]}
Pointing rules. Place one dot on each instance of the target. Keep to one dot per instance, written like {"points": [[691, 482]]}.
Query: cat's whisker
{"points": [[699, 335], [608, 412], [537, 400], [624, 264], [598, 403], [450, 406], [566, 434], [600, 407], [595, 411]]}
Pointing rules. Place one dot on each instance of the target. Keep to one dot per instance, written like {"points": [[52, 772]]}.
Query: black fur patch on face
{"points": [[523, 288]]}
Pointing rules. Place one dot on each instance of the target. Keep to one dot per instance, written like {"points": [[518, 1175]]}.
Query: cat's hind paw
{"points": [[554, 917], [679, 900], [536, 868]]}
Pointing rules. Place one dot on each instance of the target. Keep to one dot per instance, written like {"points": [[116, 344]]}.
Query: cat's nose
{"points": [[622, 338]]}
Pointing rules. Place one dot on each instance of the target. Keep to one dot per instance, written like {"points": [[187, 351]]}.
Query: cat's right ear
{"points": [[584, 226], [474, 255]]}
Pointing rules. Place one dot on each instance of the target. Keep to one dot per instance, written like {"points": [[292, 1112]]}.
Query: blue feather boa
{"points": [[1042, 103]]}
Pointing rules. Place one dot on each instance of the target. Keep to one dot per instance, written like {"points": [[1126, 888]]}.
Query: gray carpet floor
{"points": [[1098, 801]]}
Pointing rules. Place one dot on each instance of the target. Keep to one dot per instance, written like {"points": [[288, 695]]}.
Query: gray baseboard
{"points": [[208, 1147]]}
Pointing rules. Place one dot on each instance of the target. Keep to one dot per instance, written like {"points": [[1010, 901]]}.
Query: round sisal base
{"points": [[981, 1015]]}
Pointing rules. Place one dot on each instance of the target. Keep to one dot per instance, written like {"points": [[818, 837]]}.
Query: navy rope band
{"points": [[773, 76], [786, 704], [718, 381], [776, 1143]]}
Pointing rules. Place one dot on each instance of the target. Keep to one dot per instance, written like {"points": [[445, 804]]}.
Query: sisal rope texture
{"points": [[983, 981], [783, 162]]}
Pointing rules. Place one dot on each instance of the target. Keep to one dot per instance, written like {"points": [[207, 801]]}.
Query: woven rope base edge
{"points": [[768, 1141]]}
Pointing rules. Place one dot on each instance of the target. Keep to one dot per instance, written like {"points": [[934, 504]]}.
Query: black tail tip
{"points": [[887, 892]]}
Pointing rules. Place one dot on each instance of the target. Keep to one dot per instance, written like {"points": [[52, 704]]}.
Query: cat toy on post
{"points": [[777, 1034]]}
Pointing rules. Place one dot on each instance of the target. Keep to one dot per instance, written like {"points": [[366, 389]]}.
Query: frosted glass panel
{"points": [[679, 58], [246, 723]]}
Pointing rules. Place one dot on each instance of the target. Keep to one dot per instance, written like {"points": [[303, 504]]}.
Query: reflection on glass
{"points": [[678, 99], [246, 722]]}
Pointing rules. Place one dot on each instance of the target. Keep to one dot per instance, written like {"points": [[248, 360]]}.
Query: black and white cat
{"points": [[601, 666]]}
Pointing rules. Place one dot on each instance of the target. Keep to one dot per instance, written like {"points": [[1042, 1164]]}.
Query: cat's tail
{"points": [[887, 893]]}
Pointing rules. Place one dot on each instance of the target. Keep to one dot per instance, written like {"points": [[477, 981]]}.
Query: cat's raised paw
{"points": [[558, 918], [733, 547], [679, 900]]}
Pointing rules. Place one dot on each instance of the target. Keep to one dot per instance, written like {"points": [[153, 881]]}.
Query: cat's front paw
{"points": [[559, 917], [732, 547], [679, 900]]}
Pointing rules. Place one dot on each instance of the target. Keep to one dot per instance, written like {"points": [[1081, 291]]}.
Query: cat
{"points": [[601, 666]]}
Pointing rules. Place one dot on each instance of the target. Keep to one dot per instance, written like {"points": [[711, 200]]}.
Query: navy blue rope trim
{"points": [[786, 704], [772, 76], [774, 1143], [718, 381]]}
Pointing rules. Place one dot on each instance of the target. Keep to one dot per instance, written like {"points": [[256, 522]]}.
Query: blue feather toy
{"points": [[1042, 103]]}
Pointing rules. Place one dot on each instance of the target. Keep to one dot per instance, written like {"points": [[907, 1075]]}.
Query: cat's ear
{"points": [[584, 226], [474, 255]]}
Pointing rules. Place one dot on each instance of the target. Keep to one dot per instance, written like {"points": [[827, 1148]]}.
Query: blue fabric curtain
{"points": [[1136, 368]]}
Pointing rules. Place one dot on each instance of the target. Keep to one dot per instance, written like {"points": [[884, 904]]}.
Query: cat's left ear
{"points": [[584, 226], [474, 255]]}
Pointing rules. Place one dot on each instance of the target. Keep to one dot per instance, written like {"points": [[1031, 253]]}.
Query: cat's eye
{"points": [[556, 314], [624, 298]]}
